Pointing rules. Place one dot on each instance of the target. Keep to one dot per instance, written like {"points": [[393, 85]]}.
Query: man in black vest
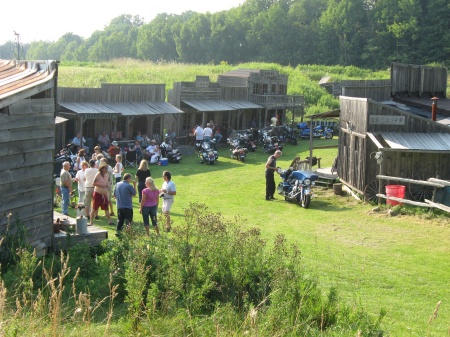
{"points": [[271, 167]]}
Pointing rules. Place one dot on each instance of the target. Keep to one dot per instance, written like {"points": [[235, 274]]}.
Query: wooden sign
{"points": [[101, 115], [386, 120]]}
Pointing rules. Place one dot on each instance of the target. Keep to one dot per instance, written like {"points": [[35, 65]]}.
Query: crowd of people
{"points": [[100, 183]]}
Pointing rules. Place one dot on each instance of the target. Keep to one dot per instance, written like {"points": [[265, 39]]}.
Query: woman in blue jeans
{"points": [[149, 205]]}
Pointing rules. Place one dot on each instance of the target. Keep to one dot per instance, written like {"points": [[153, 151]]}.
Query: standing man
{"points": [[90, 174], [66, 187], [169, 190], [199, 133], [207, 133], [271, 167], [124, 194]]}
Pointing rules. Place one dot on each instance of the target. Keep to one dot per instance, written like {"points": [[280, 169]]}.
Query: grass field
{"points": [[399, 264]]}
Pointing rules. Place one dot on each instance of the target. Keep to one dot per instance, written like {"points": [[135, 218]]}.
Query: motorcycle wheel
{"points": [[305, 201], [328, 135], [243, 159]]}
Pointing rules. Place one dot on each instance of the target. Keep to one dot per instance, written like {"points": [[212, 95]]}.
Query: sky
{"points": [[49, 20]]}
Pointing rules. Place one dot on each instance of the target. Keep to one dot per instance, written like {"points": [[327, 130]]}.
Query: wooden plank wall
{"points": [[26, 156], [413, 123], [116, 93], [417, 79], [190, 91], [234, 93], [378, 90]]}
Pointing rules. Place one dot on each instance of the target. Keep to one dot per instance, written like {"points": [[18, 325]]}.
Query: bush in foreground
{"points": [[208, 277]]}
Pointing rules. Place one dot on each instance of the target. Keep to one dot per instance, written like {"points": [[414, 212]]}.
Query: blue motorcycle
{"points": [[317, 132], [297, 186]]}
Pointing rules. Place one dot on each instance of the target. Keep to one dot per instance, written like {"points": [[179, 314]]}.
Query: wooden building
{"points": [[416, 85], [27, 143], [377, 90], [376, 138], [239, 99], [119, 109], [266, 88]]}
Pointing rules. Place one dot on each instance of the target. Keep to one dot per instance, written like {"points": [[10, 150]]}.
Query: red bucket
{"points": [[397, 191]]}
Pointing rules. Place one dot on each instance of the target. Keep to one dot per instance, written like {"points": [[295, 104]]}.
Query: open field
{"points": [[399, 264]]}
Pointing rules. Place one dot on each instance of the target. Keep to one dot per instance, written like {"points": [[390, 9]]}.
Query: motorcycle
{"points": [[297, 186], [246, 140], [67, 153], [207, 153], [318, 131], [237, 151], [272, 144], [167, 151], [290, 135]]}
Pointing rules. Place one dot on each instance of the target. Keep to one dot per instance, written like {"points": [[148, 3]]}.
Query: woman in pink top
{"points": [[149, 205]]}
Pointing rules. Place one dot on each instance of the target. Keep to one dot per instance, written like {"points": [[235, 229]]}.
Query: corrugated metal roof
{"points": [[243, 105], [417, 141], [124, 109], [88, 108], [18, 76], [218, 105]]}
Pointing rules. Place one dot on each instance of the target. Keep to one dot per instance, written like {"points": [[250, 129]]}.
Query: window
{"points": [[273, 89]]}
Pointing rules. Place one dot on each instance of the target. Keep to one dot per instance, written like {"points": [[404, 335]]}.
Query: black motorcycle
{"points": [[67, 153], [272, 144], [237, 151], [290, 135], [297, 186], [246, 140], [207, 152], [172, 155]]}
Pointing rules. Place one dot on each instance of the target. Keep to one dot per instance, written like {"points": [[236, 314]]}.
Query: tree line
{"points": [[364, 33]]}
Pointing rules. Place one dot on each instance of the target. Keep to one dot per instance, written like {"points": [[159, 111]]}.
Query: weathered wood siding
{"points": [[26, 156], [234, 94], [418, 79], [357, 164], [378, 90], [115, 93]]}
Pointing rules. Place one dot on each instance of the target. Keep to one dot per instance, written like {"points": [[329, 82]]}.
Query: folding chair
{"points": [[131, 159]]}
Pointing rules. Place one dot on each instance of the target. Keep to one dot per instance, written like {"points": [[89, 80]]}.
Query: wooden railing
{"points": [[276, 99]]}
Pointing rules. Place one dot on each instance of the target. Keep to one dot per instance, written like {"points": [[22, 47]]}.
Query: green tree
{"points": [[155, 41], [194, 40]]}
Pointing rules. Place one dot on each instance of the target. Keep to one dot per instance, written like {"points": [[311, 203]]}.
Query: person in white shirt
{"points": [[77, 141], [199, 133], [168, 191], [207, 133], [80, 178], [89, 181]]}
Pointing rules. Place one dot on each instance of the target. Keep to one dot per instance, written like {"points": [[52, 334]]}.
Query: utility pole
{"points": [[17, 50]]}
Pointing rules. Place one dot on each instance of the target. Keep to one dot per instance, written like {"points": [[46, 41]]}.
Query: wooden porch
{"points": [[68, 236]]}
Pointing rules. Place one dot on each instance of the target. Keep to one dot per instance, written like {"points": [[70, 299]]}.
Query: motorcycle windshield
{"points": [[301, 175]]}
